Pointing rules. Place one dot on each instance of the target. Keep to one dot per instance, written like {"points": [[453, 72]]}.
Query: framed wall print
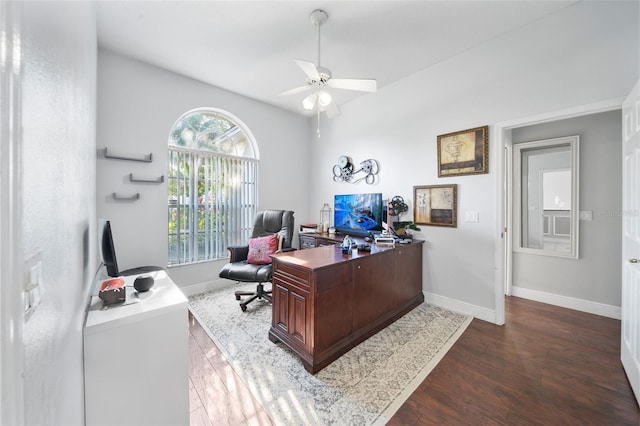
{"points": [[436, 205], [464, 153]]}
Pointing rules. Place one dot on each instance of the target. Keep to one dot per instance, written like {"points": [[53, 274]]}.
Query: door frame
{"points": [[504, 189], [11, 276]]}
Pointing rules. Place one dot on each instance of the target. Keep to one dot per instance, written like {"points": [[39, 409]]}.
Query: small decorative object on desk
{"points": [[397, 207], [113, 291], [143, 283], [325, 217], [401, 228], [346, 244]]}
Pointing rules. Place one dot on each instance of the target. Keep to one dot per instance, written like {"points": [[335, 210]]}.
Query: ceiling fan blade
{"points": [[360, 84], [331, 110], [309, 69], [294, 91]]}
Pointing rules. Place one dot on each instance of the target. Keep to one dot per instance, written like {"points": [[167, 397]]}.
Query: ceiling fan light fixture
{"points": [[309, 102], [319, 79], [324, 98]]}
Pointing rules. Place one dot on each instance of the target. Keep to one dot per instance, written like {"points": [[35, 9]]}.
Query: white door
{"points": [[630, 341]]}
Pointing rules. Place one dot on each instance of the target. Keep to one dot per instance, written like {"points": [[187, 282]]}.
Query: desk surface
{"points": [[320, 257], [324, 256], [162, 296]]}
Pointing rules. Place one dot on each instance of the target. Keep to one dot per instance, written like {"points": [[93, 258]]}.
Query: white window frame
{"points": [[204, 226]]}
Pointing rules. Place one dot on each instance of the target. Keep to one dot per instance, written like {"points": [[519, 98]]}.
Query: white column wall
{"points": [[58, 158]]}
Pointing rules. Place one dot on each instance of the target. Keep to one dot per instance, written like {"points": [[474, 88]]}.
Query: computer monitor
{"points": [[107, 249], [108, 254], [358, 214]]}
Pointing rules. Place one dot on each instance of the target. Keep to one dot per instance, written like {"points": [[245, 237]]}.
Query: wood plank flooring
{"points": [[546, 366]]}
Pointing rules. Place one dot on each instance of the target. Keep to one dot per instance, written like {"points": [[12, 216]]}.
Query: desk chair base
{"points": [[260, 293]]}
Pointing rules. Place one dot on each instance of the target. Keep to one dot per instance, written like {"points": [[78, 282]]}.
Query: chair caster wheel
{"points": [[244, 308], [237, 297]]}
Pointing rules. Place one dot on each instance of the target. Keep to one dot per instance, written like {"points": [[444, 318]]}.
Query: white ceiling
{"points": [[248, 46]]}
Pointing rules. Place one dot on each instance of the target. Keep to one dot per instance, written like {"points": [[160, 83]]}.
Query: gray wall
{"points": [[59, 85], [596, 275], [137, 106]]}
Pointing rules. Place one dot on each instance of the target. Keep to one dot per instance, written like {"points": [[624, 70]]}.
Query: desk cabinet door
{"points": [[290, 310], [408, 273], [373, 287], [334, 304]]}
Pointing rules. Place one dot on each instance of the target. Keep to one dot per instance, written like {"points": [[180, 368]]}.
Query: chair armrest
{"points": [[238, 253]]}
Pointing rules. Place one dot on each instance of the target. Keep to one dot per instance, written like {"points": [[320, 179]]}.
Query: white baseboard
{"points": [[454, 305], [193, 289], [596, 308]]}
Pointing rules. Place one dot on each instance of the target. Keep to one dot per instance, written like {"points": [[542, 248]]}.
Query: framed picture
{"points": [[436, 205], [464, 153]]}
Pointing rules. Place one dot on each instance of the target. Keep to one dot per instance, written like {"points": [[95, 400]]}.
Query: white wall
{"points": [[58, 149], [137, 106], [561, 61], [596, 275]]}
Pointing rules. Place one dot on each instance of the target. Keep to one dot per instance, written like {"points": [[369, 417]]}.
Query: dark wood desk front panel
{"points": [[325, 303]]}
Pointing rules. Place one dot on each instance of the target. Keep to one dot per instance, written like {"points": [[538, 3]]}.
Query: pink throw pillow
{"points": [[260, 248]]}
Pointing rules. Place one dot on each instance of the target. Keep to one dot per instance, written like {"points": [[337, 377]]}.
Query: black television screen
{"points": [[358, 214], [107, 249]]}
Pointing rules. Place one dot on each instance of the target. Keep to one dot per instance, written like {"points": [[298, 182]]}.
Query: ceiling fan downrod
{"points": [[318, 18]]}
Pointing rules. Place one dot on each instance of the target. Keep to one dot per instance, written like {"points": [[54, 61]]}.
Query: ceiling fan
{"points": [[319, 79]]}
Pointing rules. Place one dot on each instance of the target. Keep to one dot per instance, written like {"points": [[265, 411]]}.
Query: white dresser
{"points": [[136, 358]]}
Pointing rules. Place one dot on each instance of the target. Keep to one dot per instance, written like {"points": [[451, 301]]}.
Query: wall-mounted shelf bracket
{"points": [[146, 159], [133, 197], [143, 180]]}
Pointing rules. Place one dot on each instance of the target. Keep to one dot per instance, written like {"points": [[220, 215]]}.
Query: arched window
{"points": [[212, 185]]}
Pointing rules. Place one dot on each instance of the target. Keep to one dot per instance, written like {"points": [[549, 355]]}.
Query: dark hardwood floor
{"points": [[546, 366]]}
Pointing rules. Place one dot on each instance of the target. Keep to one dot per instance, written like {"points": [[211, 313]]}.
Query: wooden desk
{"points": [[325, 303]]}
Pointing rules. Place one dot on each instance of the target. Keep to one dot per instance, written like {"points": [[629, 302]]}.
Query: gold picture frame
{"points": [[464, 153], [436, 205]]}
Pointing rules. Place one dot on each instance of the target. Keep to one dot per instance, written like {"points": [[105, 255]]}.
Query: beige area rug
{"points": [[365, 386]]}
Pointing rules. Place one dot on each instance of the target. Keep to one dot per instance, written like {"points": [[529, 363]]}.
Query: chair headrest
{"points": [[275, 222]]}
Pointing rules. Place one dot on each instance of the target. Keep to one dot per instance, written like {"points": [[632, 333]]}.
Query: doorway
{"points": [[505, 250]]}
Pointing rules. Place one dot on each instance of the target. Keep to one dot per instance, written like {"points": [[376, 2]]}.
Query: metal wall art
{"points": [[345, 171]]}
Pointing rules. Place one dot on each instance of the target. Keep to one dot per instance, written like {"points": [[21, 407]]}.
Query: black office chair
{"points": [[240, 268]]}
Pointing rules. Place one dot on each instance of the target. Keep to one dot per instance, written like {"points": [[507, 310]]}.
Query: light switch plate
{"points": [[586, 215], [32, 283], [472, 216]]}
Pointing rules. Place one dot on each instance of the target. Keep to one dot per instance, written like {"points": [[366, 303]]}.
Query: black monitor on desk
{"points": [[108, 254]]}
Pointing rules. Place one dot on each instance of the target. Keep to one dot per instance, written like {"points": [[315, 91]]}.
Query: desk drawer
{"points": [[284, 274]]}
